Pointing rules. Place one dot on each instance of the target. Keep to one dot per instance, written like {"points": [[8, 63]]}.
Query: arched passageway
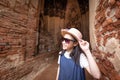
{"points": [[55, 15]]}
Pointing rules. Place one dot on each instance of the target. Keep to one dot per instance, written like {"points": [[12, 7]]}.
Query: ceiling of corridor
{"points": [[54, 6]]}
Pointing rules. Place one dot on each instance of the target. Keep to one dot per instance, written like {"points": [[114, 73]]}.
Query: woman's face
{"points": [[68, 42]]}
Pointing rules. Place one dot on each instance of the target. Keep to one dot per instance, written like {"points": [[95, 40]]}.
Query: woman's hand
{"points": [[84, 45]]}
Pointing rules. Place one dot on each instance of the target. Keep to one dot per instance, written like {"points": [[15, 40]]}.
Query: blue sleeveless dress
{"points": [[69, 70]]}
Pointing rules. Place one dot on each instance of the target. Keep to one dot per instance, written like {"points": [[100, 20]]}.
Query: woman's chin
{"points": [[64, 48]]}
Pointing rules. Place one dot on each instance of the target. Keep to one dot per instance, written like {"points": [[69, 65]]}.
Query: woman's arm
{"points": [[92, 68], [58, 65], [57, 73]]}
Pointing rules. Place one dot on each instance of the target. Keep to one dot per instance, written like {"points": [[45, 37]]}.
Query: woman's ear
{"points": [[75, 43]]}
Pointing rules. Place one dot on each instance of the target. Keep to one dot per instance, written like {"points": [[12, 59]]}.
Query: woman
{"points": [[75, 57]]}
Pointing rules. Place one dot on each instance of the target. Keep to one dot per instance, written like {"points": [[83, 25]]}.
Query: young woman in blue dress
{"points": [[75, 57]]}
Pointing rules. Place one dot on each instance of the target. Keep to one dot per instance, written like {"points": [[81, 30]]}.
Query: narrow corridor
{"points": [[30, 36]]}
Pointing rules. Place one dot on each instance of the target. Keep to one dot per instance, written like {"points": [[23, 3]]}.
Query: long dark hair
{"points": [[75, 54]]}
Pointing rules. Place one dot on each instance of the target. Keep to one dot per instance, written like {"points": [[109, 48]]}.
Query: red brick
{"points": [[117, 13]]}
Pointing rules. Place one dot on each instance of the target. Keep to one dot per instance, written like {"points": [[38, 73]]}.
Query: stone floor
{"points": [[49, 73]]}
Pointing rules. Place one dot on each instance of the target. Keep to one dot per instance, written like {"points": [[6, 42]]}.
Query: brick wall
{"points": [[18, 22], [107, 30]]}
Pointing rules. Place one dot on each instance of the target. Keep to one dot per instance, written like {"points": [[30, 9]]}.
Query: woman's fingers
{"points": [[82, 42]]}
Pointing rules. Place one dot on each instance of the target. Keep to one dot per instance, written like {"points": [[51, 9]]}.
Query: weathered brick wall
{"points": [[107, 30], [18, 22]]}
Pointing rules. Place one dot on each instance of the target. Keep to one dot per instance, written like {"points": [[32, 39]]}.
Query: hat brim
{"points": [[63, 32]]}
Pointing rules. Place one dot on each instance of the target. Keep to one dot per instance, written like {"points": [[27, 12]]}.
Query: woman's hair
{"points": [[75, 54]]}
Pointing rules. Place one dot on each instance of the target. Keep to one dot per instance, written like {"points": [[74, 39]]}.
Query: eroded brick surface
{"points": [[18, 24], [18, 39], [108, 37]]}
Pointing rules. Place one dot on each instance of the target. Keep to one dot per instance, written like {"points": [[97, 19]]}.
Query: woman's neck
{"points": [[67, 54], [69, 51]]}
